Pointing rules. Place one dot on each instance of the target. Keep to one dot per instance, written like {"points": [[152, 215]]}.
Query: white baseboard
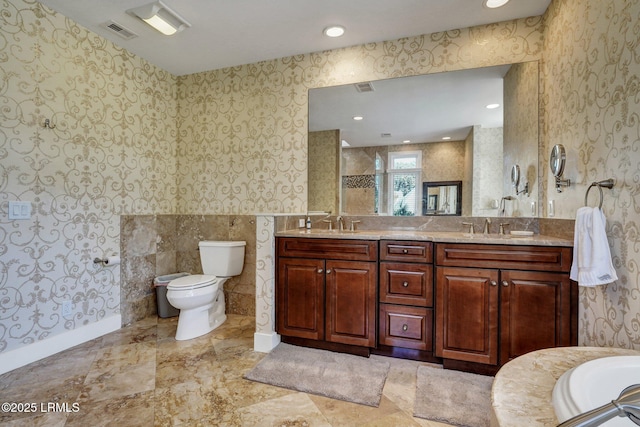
{"points": [[13, 359], [264, 343]]}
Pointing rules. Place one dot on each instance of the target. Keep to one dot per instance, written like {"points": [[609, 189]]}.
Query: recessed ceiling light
{"points": [[446, 138], [406, 141], [492, 4], [492, 106], [334, 31], [357, 118]]}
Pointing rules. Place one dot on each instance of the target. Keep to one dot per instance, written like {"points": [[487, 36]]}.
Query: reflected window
{"points": [[404, 182]]}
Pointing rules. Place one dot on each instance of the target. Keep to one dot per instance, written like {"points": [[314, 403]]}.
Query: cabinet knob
{"points": [[405, 327], [494, 283], [320, 270], [505, 283], [328, 271], [405, 251], [405, 284]]}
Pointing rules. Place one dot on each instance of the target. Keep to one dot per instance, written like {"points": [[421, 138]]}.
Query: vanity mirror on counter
{"points": [[445, 119]]}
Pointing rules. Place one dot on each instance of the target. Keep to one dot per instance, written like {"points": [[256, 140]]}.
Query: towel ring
{"points": [[607, 183]]}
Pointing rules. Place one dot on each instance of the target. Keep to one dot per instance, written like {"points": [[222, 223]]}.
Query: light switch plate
{"points": [[19, 210]]}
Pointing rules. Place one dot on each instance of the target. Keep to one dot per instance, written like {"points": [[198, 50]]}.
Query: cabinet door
{"points": [[467, 314], [535, 312], [351, 302], [300, 298]]}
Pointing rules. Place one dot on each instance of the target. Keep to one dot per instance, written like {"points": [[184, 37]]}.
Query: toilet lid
{"points": [[193, 281]]}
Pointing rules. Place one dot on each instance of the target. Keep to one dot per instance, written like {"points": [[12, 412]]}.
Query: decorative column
{"points": [[265, 337]]}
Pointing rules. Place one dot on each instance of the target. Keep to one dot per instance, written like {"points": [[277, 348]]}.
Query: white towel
{"points": [[592, 264]]}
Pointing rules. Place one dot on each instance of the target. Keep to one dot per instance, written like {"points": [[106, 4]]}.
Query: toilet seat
{"points": [[195, 281]]}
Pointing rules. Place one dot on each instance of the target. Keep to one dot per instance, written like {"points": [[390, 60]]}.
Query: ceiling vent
{"points": [[118, 29], [385, 135], [364, 87]]}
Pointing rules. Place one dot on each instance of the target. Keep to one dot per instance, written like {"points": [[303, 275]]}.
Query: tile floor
{"points": [[141, 376]]}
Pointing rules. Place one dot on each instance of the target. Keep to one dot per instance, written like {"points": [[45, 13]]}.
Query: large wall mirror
{"points": [[374, 145]]}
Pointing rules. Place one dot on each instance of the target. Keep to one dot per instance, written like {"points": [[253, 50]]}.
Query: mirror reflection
{"points": [[379, 165], [442, 198]]}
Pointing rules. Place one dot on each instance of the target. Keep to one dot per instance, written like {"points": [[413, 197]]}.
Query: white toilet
{"points": [[200, 297]]}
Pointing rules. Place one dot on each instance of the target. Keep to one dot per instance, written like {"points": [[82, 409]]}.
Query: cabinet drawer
{"points": [[409, 284], [538, 258], [340, 249], [406, 251], [408, 327]]}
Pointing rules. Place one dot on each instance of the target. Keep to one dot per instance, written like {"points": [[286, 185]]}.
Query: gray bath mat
{"points": [[325, 373], [452, 397]]}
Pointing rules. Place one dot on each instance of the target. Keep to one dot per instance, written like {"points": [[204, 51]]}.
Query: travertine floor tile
{"points": [[347, 413], [188, 402], [141, 376], [42, 420], [296, 409], [129, 410]]}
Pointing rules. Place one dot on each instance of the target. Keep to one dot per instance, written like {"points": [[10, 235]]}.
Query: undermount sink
{"points": [[326, 231], [521, 233], [485, 236]]}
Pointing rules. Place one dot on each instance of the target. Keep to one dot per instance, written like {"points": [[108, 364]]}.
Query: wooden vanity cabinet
{"points": [[326, 290], [406, 295], [495, 302]]}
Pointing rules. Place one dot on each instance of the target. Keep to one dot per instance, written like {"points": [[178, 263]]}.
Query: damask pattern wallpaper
{"points": [[324, 171], [131, 139], [591, 105], [252, 157], [112, 152]]}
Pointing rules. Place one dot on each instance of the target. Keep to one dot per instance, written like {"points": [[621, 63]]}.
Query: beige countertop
{"points": [[430, 236], [522, 390]]}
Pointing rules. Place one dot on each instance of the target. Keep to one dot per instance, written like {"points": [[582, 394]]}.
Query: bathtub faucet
{"points": [[626, 405]]}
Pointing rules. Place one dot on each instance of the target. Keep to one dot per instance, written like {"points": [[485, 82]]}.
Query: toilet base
{"points": [[199, 321]]}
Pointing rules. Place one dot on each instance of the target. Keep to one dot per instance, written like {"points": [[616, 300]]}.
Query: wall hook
{"points": [[48, 125]]}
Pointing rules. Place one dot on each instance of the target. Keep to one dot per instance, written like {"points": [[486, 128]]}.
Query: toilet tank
{"points": [[222, 258]]}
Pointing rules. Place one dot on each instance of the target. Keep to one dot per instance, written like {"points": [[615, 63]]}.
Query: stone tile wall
{"points": [[155, 245]]}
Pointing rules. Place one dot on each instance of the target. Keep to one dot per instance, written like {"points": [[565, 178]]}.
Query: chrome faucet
{"points": [[503, 203], [327, 220], [486, 229], [502, 226], [626, 405], [340, 222], [470, 225]]}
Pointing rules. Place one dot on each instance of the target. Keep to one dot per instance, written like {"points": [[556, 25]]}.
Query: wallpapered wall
{"points": [[591, 106], [242, 144], [324, 171], [253, 156], [112, 152], [589, 103]]}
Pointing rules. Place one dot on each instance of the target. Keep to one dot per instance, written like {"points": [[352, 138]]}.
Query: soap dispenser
{"points": [[308, 223]]}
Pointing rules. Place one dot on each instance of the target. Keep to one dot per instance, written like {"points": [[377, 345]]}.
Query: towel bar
{"points": [[607, 183]]}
